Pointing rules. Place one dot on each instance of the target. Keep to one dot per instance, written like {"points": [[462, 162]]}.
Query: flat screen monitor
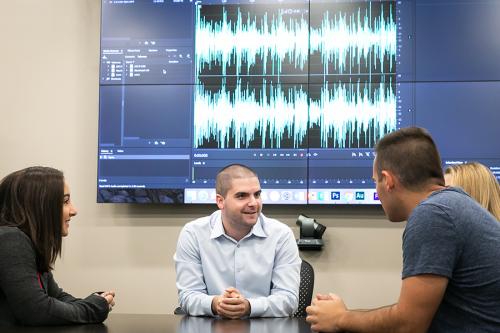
{"points": [[300, 91]]}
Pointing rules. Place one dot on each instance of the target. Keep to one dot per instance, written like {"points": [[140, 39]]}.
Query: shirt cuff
{"points": [[206, 305], [257, 306]]}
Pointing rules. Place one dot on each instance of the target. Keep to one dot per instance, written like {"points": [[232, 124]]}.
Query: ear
{"points": [[389, 180], [219, 200]]}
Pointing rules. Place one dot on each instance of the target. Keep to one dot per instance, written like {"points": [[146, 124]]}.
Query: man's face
{"points": [[388, 197], [378, 185], [242, 205]]}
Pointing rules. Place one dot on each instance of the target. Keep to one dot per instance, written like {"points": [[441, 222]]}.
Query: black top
{"points": [[29, 298]]}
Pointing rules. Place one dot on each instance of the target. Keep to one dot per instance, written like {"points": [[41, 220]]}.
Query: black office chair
{"points": [[305, 289], [178, 311]]}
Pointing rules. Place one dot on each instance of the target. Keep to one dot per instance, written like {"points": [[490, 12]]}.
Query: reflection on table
{"points": [[131, 323], [254, 325]]}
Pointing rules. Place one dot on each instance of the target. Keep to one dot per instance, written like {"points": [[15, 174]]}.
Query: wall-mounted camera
{"points": [[311, 233]]}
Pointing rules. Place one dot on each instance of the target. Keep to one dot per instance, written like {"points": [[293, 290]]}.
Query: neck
{"points": [[235, 232], [413, 199]]}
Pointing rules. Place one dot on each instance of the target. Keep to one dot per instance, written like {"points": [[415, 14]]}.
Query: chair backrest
{"points": [[178, 311], [305, 289]]}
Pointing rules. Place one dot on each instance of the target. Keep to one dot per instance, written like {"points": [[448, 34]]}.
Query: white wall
{"points": [[48, 116]]}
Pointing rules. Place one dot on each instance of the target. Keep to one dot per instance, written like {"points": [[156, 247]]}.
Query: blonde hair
{"points": [[479, 182]]}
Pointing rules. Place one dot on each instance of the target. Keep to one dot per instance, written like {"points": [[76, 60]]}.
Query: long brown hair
{"points": [[32, 200]]}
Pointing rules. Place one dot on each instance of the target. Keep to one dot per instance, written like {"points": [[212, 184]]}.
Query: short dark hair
{"points": [[230, 172], [411, 154], [32, 200]]}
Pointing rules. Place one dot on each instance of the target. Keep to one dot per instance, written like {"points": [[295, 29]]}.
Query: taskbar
{"points": [[351, 196], [295, 196]]}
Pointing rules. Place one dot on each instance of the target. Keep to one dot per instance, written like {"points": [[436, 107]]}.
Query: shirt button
{"points": [[238, 245]]}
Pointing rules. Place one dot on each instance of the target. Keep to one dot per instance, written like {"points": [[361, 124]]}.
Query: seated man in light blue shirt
{"points": [[236, 262]]}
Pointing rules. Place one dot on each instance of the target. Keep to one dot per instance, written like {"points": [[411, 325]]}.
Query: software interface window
{"points": [[300, 91]]}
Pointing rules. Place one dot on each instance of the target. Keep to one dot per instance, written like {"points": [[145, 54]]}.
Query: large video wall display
{"points": [[300, 91]]}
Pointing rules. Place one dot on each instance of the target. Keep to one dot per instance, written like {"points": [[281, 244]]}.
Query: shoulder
{"points": [[441, 203], [273, 226], [201, 223], [448, 198], [13, 237], [200, 227], [445, 212], [450, 204], [15, 246]]}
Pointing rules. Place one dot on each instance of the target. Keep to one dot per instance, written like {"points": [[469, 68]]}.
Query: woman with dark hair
{"points": [[35, 210]]}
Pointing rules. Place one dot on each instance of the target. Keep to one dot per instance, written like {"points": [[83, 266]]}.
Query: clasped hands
{"points": [[231, 304], [325, 312], [109, 296]]}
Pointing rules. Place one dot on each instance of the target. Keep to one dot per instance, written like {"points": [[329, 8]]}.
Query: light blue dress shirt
{"points": [[264, 266]]}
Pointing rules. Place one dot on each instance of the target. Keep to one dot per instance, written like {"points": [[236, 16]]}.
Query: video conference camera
{"points": [[311, 233]]}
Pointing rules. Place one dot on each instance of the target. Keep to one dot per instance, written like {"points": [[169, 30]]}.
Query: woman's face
{"points": [[68, 210]]}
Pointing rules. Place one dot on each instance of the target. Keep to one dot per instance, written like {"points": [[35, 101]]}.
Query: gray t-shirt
{"points": [[449, 234]]}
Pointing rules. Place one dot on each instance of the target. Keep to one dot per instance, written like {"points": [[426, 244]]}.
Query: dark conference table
{"points": [[140, 323]]}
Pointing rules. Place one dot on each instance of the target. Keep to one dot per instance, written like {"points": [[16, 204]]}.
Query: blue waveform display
{"points": [[345, 41], [269, 38], [263, 117], [242, 56], [352, 114]]}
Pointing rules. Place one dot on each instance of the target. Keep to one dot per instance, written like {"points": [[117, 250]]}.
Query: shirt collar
{"points": [[258, 229], [218, 227], [216, 224]]}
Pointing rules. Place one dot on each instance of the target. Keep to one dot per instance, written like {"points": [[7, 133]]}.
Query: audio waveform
{"points": [[249, 46], [344, 40], [226, 43], [349, 116], [235, 119]]}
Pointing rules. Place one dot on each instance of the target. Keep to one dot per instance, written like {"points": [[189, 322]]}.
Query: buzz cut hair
{"points": [[226, 175], [412, 155]]}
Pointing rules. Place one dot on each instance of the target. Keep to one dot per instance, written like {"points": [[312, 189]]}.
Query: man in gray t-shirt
{"points": [[451, 246], [450, 235]]}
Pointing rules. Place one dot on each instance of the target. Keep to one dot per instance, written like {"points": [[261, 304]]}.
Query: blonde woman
{"points": [[479, 182]]}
